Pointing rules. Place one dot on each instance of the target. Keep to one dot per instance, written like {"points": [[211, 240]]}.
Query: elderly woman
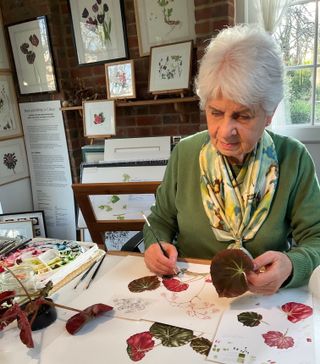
{"points": [[237, 184]]}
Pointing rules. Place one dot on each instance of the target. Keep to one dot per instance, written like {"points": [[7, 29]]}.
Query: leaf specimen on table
{"points": [[278, 339], [296, 311], [201, 345], [76, 322], [175, 285], [250, 319], [228, 272], [171, 335], [139, 344], [148, 283]]}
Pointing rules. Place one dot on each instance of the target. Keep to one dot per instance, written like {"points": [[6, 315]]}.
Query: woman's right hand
{"points": [[157, 262]]}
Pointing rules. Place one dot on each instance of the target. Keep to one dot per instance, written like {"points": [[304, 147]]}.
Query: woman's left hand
{"points": [[271, 269]]}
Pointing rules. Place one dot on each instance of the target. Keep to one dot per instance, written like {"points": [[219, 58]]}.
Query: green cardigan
{"points": [[179, 216]]}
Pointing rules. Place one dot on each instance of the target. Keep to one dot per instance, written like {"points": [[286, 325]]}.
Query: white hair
{"points": [[242, 64]]}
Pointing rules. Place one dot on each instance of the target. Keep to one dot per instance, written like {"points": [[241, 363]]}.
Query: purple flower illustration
{"points": [[10, 161]]}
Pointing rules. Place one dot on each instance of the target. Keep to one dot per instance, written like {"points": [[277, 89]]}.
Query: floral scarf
{"points": [[237, 206]]}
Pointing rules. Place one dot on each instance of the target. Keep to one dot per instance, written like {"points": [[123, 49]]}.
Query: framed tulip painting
{"points": [[32, 56], [99, 30], [99, 119]]}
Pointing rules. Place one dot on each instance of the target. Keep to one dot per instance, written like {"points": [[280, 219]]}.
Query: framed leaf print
{"points": [[99, 119], [99, 30], [170, 68], [4, 59], [161, 22], [10, 123], [120, 80], [32, 56], [13, 161]]}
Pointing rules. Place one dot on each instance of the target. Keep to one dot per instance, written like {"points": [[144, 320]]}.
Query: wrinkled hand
{"points": [[157, 262], [271, 270]]}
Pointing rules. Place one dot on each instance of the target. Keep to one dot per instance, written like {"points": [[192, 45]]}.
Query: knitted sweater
{"points": [[179, 215]]}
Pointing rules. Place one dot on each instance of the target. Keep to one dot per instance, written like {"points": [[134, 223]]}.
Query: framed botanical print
{"points": [[14, 229], [170, 68], [99, 119], [32, 56], [99, 30], [4, 59], [10, 123], [13, 161], [161, 22], [120, 80]]}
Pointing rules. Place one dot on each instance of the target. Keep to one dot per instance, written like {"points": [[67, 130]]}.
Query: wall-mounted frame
{"points": [[99, 30], [92, 153], [13, 161], [10, 123], [99, 119], [36, 217], [32, 56], [170, 68], [4, 59], [14, 229], [120, 80], [160, 22]]}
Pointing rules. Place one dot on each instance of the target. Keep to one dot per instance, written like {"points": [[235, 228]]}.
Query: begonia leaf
{"points": [[171, 335], [76, 322], [278, 340], [201, 345], [175, 285], [148, 283], [250, 319], [139, 344], [297, 311], [228, 272]]}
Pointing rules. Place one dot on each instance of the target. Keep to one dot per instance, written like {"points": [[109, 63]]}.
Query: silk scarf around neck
{"points": [[237, 206]]}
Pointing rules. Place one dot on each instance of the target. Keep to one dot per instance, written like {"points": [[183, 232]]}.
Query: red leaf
{"points": [[175, 285], [139, 344], [7, 297], [278, 339], [25, 329], [296, 311], [76, 322], [34, 40]]}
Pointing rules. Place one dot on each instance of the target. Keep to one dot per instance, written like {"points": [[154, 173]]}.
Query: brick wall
{"points": [[137, 121]]}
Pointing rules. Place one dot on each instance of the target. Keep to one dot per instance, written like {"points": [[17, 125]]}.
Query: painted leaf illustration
{"points": [[31, 56], [34, 40], [24, 48], [228, 272], [148, 283], [175, 285], [250, 319], [297, 311], [115, 198], [171, 335], [278, 339], [139, 344], [201, 345]]}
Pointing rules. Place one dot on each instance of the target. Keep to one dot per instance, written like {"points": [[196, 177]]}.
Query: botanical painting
{"points": [[161, 21], [120, 80], [32, 56], [10, 124], [4, 60], [99, 30], [99, 118], [13, 160], [170, 67]]}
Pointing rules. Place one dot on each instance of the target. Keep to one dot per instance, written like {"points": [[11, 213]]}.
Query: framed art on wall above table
{"points": [[4, 59], [32, 56]]}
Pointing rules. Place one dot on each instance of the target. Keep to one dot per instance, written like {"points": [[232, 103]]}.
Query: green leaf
{"points": [[250, 319], [115, 199], [201, 345], [171, 335], [148, 283]]}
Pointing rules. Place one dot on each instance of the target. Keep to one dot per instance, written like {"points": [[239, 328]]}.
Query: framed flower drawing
{"points": [[99, 30], [13, 161], [4, 59], [98, 119], [161, 22], [32, 56], [10, 124], [120, 80], [170, 68]]}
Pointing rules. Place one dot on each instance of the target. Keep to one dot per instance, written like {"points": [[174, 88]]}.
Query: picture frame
{"points": [[4, 58], [92, 153], [120, 80], [170, 68], [99, 30], [10, 122], [13, 161], [14, 229], [36, 217], [32, 56], [163, 22], [99, 119]]}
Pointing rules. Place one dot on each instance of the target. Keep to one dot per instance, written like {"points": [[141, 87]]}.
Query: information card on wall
{"points": [[49, 163]]}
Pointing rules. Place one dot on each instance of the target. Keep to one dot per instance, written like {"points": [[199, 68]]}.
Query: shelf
{"points": [[128, 103]]}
